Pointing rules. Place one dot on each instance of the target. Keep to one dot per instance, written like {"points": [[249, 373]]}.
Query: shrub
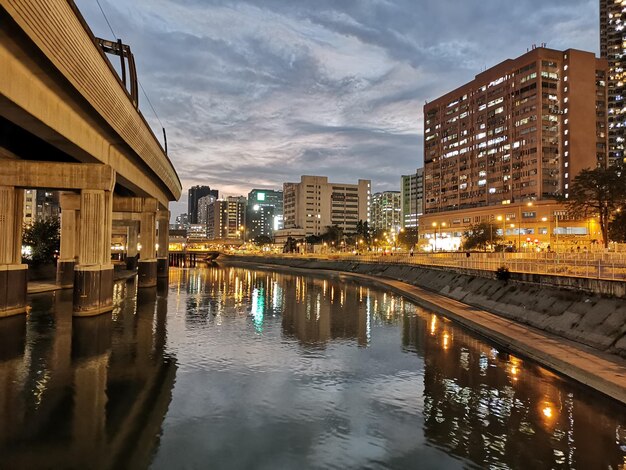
{"points": [[503, 274]]}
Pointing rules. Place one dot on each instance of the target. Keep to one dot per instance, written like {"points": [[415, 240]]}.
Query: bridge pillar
{"points": [[93, 275], [13, 274], [131, 245], [163, 219], [147, 271], [70, 213]]}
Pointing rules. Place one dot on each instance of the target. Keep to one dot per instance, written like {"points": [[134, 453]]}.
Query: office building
{"points": [[194, 195], [226, 219], [386, 211], [516, 135], [182, 221], [264, 213], [314, 204], [40, 204], [412, 198], [203, 208], [613, 48]]}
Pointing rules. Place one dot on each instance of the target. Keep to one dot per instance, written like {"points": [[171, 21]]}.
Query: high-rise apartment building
{"points": [[412, 198], [226, 218], [314, 204], [195, 193], [386, 211], [264, 213], [516, 135], [203, 208], [613, 48], [40, 204]]}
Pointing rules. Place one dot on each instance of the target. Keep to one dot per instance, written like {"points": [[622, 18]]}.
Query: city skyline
{"points": [[307, 104]]}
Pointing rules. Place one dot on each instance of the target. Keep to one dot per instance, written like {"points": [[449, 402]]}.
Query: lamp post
{"points": [[435, 226], [502, 219], [545, 219], [519, 228]]}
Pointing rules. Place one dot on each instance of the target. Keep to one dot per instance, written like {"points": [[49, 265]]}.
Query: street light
{"points": [[519, 229]]}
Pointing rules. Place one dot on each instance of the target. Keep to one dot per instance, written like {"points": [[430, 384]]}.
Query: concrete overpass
{"points": [[68, 122]]}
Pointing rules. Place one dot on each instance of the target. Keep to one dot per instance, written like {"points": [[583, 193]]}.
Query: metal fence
{"points": [[609, 266]]}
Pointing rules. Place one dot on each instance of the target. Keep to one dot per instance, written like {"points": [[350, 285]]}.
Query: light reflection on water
{"points": [[236, 368]]}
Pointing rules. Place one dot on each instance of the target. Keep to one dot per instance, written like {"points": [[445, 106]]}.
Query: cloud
{"points": [[255, 93]]}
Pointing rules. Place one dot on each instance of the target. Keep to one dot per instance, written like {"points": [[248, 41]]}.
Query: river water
{"points": [[230, 368]]}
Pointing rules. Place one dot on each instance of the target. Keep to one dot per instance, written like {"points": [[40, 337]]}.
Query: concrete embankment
{"points": [[591, 325]]}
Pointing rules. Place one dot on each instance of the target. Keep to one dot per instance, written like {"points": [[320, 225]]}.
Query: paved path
{"points": [[601, 371]]}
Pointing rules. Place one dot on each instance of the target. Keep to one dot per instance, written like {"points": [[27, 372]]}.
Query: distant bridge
{"points": [[68, 122]]}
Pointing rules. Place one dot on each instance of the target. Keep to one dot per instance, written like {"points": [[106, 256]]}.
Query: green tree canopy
{"points": [[333, 234], [597, 193], [617, 228], [44, 239], [480, 235], [408, 237], [263, 240]]}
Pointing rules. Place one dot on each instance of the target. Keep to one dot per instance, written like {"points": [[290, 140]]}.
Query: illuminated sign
{"points": [[260, 196]]}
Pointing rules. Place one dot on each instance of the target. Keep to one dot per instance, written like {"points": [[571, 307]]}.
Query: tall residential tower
{"points": [[613, 48]]}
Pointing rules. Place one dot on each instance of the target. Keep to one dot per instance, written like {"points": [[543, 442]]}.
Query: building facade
{"points": [[40, 204], [203, 208], [386, 211], [314, 204], [227, 218], [194, 195], [264, 213], [412, 198], [515, 135], [613, 48]]}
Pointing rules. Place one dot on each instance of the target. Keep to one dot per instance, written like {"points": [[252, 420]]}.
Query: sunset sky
{"points": [[255, 93]]}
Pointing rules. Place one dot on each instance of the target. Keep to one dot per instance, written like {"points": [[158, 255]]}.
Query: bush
{"points": [[43, 238], [503, 274]]}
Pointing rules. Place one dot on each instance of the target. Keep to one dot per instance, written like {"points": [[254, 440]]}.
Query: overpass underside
{"points": [[68, 123]]}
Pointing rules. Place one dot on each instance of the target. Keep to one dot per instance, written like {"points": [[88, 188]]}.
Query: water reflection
{"points": [[84, 392], [273, 370], [361, 377], [494, 408]]}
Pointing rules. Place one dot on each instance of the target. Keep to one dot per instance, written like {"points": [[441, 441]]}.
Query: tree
{"points": [[263, 240], [597, 193], [333, 234], [313, 239], [617, 228], [478, 236], [44, 239], [363, 231], [408, 237]]}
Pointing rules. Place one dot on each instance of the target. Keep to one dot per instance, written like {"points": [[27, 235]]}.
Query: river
{"points": [[233, 368]]}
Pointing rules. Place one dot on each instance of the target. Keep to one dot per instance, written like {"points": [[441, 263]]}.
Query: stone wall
{"points": [[592, 319]]}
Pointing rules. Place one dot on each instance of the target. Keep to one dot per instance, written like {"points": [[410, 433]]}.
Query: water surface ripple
{"points": [[230, 368]]}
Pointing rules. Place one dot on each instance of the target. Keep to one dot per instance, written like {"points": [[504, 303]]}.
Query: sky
{"points": [[256, 93]]}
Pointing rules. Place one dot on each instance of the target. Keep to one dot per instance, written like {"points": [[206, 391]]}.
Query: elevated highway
{"points": [[68, 122]]}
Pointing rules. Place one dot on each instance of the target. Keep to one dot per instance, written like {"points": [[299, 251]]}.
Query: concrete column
{"points": [[131, 245], [93, 275], [163, 238], [13, 274], [70, 207], [147, 272]]}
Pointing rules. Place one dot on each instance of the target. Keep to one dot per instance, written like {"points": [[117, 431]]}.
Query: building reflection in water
{"points": [[495, 409], [84, 392], [480, 404], [312, 310]]}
